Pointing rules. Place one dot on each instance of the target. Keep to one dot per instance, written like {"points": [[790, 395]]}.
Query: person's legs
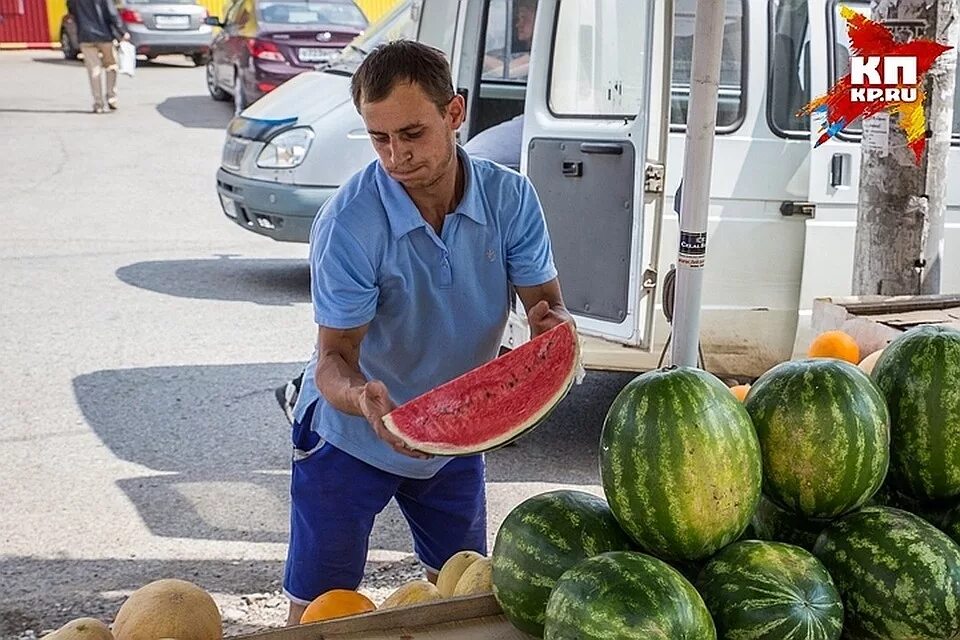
{"points": [[334, 500], [108, 55], [446, 513], [91, 60]]}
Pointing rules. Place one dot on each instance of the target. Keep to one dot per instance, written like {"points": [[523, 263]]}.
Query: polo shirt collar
{"points": [[403, 214]]}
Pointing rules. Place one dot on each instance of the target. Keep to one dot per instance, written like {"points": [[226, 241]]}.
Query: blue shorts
{"points": [[335, 498]]}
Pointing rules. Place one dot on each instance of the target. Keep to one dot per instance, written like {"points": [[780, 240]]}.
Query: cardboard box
{"points": [[466, 618], [873, 321]]}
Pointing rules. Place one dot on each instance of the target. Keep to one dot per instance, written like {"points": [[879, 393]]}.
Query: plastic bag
{"points": [[127, 58]]}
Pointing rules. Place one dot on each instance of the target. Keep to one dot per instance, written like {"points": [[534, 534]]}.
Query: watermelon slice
{"points": [[493, 404]]}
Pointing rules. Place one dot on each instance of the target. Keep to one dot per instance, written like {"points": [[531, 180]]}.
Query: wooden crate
{"points": [[466, 618], [873, 321]]}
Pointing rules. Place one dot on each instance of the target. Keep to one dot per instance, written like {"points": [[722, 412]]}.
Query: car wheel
{"points": [[215, 91], [239, 95], [200, 59], [68, 51]]}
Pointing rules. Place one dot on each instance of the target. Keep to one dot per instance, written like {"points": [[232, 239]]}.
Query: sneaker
{"points": [[112, 103], [286, 395], [98, 108]]}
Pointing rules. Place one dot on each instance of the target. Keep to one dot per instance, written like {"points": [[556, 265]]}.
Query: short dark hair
{"points": [[403, 61]]}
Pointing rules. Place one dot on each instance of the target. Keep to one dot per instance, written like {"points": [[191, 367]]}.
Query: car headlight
{"points": [[286, 150]]}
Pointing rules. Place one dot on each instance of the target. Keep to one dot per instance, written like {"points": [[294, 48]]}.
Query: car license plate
{"points": [[315, 54], [233, 150], [172, 22]]}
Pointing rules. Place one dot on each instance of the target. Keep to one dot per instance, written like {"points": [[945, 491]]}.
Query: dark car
{"points": [[156, 27], [263, 43]]}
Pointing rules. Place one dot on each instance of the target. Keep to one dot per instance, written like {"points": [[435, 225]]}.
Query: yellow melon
{"points": [[868, 363], [415, 592], [168, 608], [452, 569], [82, 629], [740, 391], [336, 603], [477, 579]]}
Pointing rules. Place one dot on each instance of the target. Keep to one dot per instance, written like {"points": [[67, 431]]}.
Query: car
{"points": [[264, 43], [157, 27]]}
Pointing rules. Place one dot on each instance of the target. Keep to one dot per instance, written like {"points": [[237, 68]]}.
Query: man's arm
{"points": [[344, 386], [119, 29], [544, 306], [70, 9]]}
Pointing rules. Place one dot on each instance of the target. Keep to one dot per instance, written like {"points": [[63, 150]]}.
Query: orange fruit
{"points": [[336, 604], [740, 391], [835, 344]]}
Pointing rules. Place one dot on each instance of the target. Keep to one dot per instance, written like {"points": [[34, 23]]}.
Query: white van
{"points": [[604, 106]]}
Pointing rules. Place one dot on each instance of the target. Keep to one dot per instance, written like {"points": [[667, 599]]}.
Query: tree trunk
{"points": [[899, 237]]}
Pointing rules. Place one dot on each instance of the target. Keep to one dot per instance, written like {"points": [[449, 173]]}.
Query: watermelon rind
{"points": [[449, 411], [824, 431], [541, 538], [680, 463], [628, 596], [919, 374], [898, 575], [759, 590]]}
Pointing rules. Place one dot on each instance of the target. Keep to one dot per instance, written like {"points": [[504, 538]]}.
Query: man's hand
{"points": [[126, 36], [542, 317], [375, 403]]}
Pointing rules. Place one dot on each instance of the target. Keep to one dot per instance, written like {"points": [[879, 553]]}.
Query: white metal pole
{"points": [[697, 166]]}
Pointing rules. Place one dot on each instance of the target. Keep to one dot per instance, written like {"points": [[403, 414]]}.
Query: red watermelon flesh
{"points": [[493, 404]]}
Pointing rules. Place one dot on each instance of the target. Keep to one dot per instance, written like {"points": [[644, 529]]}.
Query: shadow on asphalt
{"points": [[56, 111], [273, 282], [196, 112], [97, 588]]}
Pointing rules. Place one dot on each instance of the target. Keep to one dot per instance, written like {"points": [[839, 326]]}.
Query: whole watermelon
{"points": [[774, 524], [771, 591], [680, 463], [919, 373], [540, 539], [626, 596], [898, 575], [825, 435]]}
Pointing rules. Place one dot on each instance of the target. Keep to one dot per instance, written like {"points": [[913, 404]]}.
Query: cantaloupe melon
{"points": [[415, 592], [477, 579], [453, 568], [82, 629], [168, 608]]}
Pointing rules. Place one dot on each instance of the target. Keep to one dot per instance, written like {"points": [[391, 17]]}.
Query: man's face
{"points": [[525, 19], [415, 141]]}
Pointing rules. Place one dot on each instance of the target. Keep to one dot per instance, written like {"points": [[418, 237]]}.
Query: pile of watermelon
{"points": [[825, 505]]}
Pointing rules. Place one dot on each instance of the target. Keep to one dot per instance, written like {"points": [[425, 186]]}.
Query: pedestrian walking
{"points": [[99, 27]]}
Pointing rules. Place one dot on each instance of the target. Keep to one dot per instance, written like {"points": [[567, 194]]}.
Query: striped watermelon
{"points": [[919, 373], [771, 591], [680, 463], [540, 539], [899, 576], [825, 435], [626, 595], [772, 523]]}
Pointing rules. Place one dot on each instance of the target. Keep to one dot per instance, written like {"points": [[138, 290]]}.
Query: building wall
{"points": [[36, 23]]}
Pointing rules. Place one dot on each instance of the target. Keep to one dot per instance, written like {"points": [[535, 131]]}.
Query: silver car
{"points": [[160, 27]]}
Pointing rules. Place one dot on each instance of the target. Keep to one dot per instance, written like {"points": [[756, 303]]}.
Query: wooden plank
{"points": [[466, 618], [877, 305]]}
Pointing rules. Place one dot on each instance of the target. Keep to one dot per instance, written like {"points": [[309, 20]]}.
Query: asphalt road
{"points": [[143, 335]]}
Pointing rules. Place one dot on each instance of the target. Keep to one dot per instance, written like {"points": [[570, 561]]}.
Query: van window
{"points": [[840, 66], [730, 105], [788, 76], [509, 34], [594, 76]]}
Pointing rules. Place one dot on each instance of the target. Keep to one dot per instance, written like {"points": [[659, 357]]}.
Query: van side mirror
{"points": [[213, 21]]}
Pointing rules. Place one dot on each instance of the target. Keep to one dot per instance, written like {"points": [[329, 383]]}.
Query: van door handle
{"points": [[572, 169], [837, 169], [605, 148]]}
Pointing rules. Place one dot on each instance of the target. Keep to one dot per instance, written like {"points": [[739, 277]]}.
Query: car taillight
{"points": [[130, 16], [264, 50]]}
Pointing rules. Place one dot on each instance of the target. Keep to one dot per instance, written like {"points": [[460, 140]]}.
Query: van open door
{"points": [[594, 146], [834, 173]]}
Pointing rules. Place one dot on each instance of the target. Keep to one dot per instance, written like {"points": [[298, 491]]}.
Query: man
{"points": [[513, 64], [98, 25], [413, 262]]}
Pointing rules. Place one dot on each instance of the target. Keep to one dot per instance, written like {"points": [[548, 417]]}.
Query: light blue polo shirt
{"points": [[436, 306]]}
